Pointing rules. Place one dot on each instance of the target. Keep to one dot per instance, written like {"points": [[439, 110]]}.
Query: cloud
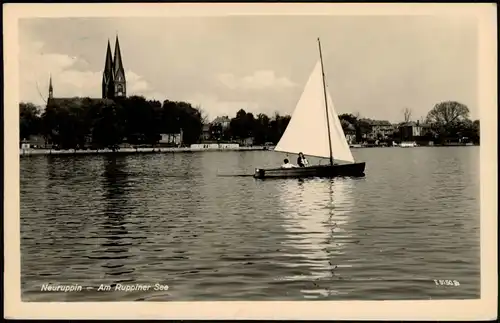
{"points": [[224, 63], [259, 80], [71, 76], [213, 106], [136, 84]]}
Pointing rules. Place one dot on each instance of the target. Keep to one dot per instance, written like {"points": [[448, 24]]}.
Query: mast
{"points": [[326, 104]]}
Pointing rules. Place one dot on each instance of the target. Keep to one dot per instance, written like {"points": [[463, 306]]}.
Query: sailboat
{"points": [[315, 130]]}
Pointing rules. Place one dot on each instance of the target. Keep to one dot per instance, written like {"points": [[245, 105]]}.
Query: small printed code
{"points": [[446, 282]]}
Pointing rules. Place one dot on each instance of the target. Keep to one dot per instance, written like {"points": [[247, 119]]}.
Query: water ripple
{"points": [[168, 219]]}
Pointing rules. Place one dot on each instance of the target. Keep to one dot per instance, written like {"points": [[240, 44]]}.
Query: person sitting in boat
{"points": [[287, 164], [302, 161]]}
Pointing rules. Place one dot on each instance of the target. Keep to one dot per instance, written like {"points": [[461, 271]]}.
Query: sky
{"points": [[374, 65]]}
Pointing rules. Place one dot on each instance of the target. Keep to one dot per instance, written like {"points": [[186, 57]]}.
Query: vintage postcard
{"points": [[250, 161]]}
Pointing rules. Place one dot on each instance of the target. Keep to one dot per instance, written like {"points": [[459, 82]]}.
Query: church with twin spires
{"points": [[114, 83]]}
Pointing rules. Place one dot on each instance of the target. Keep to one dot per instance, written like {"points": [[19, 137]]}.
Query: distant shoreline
{"points": [[423, 146], [157, 150], [36, 151]]}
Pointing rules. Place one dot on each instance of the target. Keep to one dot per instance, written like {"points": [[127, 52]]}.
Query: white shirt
{"points": [[288, 166]]}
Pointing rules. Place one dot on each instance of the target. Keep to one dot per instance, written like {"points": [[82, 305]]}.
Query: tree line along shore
{"points": [[135, 123]]}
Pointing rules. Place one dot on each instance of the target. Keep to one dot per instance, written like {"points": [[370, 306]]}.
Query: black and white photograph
{"points": [[257, 153]]}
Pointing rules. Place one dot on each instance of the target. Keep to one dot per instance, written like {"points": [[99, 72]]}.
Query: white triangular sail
{"points": [[307, 131]]}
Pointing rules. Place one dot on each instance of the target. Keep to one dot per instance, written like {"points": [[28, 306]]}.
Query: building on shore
{"points": [[205, 132], [223, 122], [350, 134], [114, 83], [246, 142], [170, 139], [34, 141], [113, 86], [414, 131], [215, 129], [381, 129]]}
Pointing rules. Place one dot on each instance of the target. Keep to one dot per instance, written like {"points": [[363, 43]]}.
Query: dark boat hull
{"points": [[354, 169]]}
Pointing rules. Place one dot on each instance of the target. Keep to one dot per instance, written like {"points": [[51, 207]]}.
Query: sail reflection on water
{"points": [[317, 210]]}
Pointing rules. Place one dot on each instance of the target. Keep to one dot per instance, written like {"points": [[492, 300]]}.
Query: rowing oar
{"points": [[233, 175]]}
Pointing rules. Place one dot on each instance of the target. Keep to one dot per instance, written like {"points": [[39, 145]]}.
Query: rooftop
{"points": [[413, 124], [380, 123], [221, 119]]}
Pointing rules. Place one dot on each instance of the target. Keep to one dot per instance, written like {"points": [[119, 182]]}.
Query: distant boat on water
{"points": [[315, 130]]}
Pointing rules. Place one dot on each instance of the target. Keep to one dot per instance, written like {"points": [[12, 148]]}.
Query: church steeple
{"points": [[51, 90], [108, 75], [120, 82], [113, 76]]}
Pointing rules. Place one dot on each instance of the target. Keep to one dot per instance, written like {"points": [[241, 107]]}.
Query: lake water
{"points": [[169, 219]]}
